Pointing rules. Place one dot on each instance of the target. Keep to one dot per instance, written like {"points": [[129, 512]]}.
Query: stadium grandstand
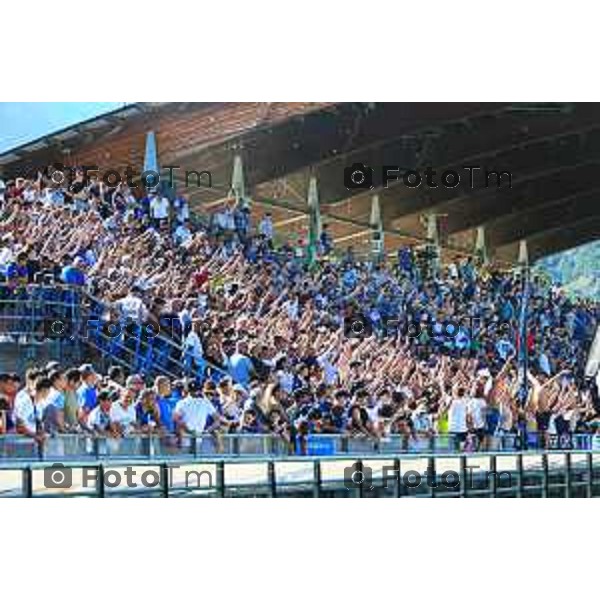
{"points": [[270, 292]]}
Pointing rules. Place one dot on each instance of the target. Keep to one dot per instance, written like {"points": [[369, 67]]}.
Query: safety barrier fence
{"points": [[73, 319], [78, 446], [26, 310], [512, 474]]}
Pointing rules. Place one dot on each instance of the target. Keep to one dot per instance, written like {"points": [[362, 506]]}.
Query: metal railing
{"points": [[515, 474], [27, 312], [79, 446]]}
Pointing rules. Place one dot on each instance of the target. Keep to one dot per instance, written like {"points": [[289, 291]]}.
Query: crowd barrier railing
{"points": [[514, 474], [74, 446], [28, 311]]}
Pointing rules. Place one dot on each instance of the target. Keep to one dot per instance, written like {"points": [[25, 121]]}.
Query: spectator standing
{"points": [[192, 414], [86, 393], [457, 417], [99, 418], [159, 210]]}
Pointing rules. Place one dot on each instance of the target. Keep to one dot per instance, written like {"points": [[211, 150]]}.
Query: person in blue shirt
{"points": [[17, 274], [165, 402], [240, 365], [350, 278], [71, 274], [87, 394]]}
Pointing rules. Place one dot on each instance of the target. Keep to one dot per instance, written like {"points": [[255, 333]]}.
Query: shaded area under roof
{"points": [[552, 150]]}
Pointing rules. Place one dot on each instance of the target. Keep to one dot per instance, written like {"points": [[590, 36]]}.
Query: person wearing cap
{"points": [[52, 365], [192, 414]]}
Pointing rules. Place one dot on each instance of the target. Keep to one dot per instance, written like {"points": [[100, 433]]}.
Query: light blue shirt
{"points": [[240, 368]]}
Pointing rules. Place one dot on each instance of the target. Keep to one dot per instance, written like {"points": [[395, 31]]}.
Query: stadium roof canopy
{"points": [[551, 150]]}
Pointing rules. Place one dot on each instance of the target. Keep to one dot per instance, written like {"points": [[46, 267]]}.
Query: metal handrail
{"points": [[292, 458], [71, 446], [43, 309], [163, 339]]}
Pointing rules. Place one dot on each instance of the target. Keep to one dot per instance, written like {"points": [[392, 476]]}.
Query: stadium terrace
{"points": [[260, 288]]}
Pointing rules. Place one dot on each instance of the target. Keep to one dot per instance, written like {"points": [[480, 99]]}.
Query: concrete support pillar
{"points": [[314, 221], [237, 180], [523, 253], [480, 246], [377, 236]]}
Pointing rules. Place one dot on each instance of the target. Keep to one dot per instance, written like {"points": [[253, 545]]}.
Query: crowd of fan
{"points": [[270, 340]]}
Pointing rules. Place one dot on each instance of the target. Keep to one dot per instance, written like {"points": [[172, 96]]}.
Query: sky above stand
{"points": [[22, 122]]}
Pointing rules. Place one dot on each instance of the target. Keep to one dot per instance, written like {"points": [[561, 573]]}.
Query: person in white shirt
{"points": [[159, 209], [29, 406], [132, 307], [29, 194], [122, 414], [224, 222], [193, 353], [192, 413], [25, 414], [7, 255], [476, 410], [99, 419], [457, 417]]}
